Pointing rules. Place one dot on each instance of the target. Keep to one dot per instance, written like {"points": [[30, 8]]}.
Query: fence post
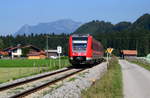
{"points": [[54, 64], [33, 66], [46, 66], [19, 71], [49, 64], [39, 68], [42, 67], [60, 64], [107, 60]]}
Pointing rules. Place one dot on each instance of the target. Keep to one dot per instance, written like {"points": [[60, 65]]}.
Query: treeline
{"points": [[38, 40], [124, 35]]}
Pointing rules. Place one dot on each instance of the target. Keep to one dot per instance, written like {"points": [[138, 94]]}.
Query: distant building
{"points": [[2, 53], [19, 51], [36, 55], [130, 53], [51, 53], [28, 49], [14, 51]]}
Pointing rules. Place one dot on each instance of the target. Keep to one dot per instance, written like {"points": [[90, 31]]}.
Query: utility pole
{"points": [[47, 46], [136, 44]]}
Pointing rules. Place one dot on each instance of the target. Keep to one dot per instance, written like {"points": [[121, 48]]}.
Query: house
{"points": [[51, 53], [36, 55], [19, 51], [14, 51], [129, 53], [2, 53], [28, 49]]}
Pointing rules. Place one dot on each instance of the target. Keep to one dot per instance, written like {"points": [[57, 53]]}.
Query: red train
{"points": [[84, 49]]}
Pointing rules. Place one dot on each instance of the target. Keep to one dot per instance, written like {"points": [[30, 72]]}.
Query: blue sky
{"points": [[16, 13]]}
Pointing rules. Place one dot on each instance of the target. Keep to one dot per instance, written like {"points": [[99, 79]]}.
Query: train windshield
{"points": [[79, 38], [79, 46], [79, 43]]}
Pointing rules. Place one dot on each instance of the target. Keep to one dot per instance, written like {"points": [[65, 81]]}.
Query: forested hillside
{"points": [[124, 35], [39, 41]]}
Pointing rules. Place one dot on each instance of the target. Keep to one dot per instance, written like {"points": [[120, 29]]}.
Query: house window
{"points": [[15, 51]]}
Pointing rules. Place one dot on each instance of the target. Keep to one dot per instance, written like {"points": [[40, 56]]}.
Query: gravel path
{"points": [[136, 80], [72, 89]]}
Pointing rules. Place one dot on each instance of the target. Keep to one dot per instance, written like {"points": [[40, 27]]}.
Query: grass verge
{"points": [[109, 86], [140, 63], [19, 68], [8, 74], [31, 63]]}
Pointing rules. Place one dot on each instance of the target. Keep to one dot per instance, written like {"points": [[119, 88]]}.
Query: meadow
{"points": [[18, 68], [30, 63]]}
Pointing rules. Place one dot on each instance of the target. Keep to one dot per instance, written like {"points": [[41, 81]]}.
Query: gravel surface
{"points": [[136, 80], [21, 88], [73, 88], [9, 92]]}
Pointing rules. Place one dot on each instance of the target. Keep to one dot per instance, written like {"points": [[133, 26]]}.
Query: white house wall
{"points": [[17, 53]]}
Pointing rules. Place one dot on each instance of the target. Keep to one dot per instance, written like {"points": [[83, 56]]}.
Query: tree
{"points": [[1, 44]]}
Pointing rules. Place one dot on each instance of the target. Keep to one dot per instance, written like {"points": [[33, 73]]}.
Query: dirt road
{"points": [[136, 80]]}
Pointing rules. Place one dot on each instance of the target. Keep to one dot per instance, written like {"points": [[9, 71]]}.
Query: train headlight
{"points": [[71, 58]]}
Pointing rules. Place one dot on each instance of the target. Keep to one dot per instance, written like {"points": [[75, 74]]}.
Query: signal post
{"points": [[108, 51], [59, 51]]}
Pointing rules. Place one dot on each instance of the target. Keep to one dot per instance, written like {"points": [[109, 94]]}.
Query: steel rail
{"points": [[5, 87], [32, 90]]}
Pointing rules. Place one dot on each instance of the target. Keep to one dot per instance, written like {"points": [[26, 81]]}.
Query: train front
{"points": [[79, 46]]}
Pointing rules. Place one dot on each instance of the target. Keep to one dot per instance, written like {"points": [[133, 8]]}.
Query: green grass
{"points": [[8, 74], [29, 63], [72, 79], [140, 63], [14, 69], [109, 86]]}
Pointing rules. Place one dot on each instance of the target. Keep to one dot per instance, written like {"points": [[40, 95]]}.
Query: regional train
{"points": [[84, 49]]}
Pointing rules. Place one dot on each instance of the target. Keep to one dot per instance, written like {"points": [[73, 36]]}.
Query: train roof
{"points": [[80, 35]]}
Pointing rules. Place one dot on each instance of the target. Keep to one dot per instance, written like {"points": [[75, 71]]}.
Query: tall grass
{"points": [[141, 63], [14, 69], [30, 63], [109, 86]]}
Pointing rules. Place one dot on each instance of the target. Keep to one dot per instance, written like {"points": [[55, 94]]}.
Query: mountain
{"points": [[122, 26], [121, 36], [96, 27], [57, 27], [142, 22]]}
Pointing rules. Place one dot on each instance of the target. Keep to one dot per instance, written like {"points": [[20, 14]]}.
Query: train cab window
{"points": [[79, 38], [79, 43], [79, 46]]}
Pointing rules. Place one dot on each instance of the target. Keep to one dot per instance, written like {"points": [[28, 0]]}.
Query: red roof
{"points": [[129, 52], [27, 46], [3, 53], [36, 53]]}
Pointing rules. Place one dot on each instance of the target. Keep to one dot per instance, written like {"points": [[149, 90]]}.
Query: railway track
{"points": [[42, 81], [14, 84]]}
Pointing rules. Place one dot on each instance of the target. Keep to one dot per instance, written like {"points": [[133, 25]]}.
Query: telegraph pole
{"points": [[136, 44], [47, 46]]}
